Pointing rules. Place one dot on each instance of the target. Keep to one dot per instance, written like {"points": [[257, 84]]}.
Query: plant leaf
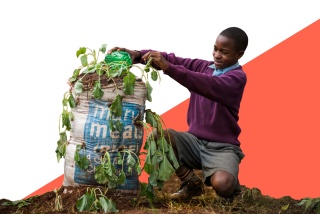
{"points": [[112, 206], [97, 91], [162, 144], [72, 102], [116, 106], [103, 48], [153, 147], [173, 157], [122, 178], [75, 75], [62, 145], [128, 83], [85, 202], [149, 91], [78, 87], [104, 204], [152, 180], [89, 70], [130, 160], [166, 170], [80, 51], [65, 120], [154, 75], [100, 174], [151, 119], [119, 126], [84, 60]]}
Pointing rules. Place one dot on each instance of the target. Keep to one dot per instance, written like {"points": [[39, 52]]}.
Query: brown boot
{"points": [[188, 189]]}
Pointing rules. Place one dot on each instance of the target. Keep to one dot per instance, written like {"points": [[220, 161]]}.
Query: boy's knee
{"points": [[223, 183]]}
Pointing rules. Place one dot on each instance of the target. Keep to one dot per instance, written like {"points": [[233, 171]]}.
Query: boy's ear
{"points": [[240, 54]]}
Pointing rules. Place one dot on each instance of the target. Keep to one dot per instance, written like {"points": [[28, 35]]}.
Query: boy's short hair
{"points": [[238, 35]]}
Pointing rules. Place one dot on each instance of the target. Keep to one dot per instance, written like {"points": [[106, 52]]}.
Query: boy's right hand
{"points": [[135, 55]]}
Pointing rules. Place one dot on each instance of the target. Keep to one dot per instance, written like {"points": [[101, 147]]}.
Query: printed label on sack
{"points": [[99, 137]]}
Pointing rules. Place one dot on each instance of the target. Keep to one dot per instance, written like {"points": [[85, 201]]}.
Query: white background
{"points": [[39, 40]]}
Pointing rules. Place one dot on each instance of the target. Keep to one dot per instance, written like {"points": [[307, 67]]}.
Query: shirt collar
{"points": [[218, 72]]}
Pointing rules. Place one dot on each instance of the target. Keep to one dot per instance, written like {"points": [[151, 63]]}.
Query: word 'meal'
{"points": [[98, 123]]}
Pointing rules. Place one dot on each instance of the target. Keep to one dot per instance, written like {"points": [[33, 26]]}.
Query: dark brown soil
{"points": [[249, 201]]}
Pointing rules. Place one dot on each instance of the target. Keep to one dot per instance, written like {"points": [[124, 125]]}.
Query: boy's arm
{"points": [[190, 64], [224, 89]]}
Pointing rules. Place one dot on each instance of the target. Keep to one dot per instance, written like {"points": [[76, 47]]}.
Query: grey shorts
{"points": [[207, 156]]}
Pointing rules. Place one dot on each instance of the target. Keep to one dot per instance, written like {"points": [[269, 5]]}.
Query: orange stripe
{"points": [[55, 184]]}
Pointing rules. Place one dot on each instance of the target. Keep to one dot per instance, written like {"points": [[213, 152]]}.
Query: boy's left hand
{"points": [[157, 59]]}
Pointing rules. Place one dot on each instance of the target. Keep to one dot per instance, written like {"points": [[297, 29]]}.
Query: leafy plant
{"points": [[93, 201], [66, 116], [110, 69], [310, 204], [81, 160], [160, 159], [18, 203]]}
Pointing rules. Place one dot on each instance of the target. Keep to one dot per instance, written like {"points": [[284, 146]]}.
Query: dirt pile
{"points": [[249, 201]]}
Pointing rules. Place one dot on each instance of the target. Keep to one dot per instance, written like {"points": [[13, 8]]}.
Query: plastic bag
{"points": [[118, 56]]}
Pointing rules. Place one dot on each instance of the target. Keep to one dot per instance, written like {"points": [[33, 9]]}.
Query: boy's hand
{"points": [[157, 59], [135, 55]]}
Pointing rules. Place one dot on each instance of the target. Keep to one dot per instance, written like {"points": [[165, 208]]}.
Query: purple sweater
{"points": [[214, 100]]}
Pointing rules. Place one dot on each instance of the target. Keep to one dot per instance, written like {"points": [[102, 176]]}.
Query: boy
{"points": [[211, 142]]}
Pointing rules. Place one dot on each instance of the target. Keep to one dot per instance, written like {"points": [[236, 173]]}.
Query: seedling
{"points": [[93, 201]]}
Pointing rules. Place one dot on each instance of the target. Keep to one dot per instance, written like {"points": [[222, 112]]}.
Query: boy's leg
{"points": [[221, 167], [187, 152], [223, 183]]}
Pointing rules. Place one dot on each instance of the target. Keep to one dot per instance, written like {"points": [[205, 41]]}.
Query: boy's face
{"points": [[225, 53]]}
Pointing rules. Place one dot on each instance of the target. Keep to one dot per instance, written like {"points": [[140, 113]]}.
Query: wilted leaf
{"points": [[153, 178], [84, 60], [100, 174], [75, 75], [72, 101], [103, 48], [162, 144], [85, 202], [81, 50], [116, 106], [151, 119], [153, 147], [154, 75], [173, 158], [149, 91], [97, 91], [78, 87], [166, 170], [128, 83], [121, 178]]}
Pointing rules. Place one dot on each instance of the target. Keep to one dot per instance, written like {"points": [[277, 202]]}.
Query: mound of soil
{"points": [[249, 201]]}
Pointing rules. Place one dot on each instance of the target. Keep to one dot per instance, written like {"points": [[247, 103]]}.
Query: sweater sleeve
{"points": [[190, 64], [224, 89], [190, 73]]}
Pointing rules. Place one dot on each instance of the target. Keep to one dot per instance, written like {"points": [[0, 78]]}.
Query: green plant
{"points": [[310, 204], [91, 201], [160, 159], [19, 203]]}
